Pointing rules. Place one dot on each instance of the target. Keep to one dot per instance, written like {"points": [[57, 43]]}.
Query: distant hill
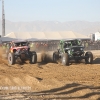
{"points": [[82, 27]]}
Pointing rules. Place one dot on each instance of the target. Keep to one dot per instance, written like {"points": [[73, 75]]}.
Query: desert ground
{"points": [[50, 81]]}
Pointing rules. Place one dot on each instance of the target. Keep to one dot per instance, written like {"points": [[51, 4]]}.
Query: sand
{"points": [[50, 81]]}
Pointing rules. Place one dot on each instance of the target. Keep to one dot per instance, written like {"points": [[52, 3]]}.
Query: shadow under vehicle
{"points": [[20, 49], [72, 50]]}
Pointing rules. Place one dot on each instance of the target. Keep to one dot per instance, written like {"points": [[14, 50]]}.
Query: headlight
{"points": [[81, 49]]}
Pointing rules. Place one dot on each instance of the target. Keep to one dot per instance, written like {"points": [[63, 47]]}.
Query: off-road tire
{"points": [[11, 58], [33, 58], [65, 59], [88, 60], [55, 57]]}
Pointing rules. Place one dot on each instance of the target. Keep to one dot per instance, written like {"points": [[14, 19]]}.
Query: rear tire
{"points": [[33, 59], [65, 59], [55, 57], [89, 58], [11, 58]]}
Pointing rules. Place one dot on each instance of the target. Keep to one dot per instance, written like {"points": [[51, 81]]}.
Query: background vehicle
{"points": [[20, 49], [72, 50]]}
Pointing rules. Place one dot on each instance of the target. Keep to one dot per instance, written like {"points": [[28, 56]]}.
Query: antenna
{"points": [[3, 19]]}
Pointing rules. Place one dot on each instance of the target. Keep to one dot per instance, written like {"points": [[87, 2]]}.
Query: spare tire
{"points": [[11, 58]]}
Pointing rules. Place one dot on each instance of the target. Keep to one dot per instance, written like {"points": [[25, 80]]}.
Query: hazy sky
{"points": [[51, 10]]}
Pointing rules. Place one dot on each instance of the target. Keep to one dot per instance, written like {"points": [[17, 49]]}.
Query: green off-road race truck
{"points": [[72, 50]]}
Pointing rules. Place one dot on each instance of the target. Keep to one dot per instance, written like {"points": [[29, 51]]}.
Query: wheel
{"points": [[89, 58], [65, 59], [55, 56], [33, 59], [11, 58]]}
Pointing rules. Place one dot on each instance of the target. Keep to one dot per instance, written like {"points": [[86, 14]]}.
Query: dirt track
{"points": [[50, 81]]}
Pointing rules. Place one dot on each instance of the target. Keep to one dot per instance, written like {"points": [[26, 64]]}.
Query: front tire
{"points": [[11, 58], [89, 58], [65, 59]]}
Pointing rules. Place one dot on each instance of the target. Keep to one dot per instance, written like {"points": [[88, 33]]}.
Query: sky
{"points": [[51, 10]]}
